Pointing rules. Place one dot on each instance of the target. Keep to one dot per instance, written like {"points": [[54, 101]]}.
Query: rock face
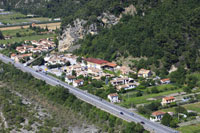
{"points": [[73, 33], [79, 29]]}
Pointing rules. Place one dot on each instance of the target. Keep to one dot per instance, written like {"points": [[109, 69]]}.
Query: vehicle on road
{"points": [[142, 122], [121, 113]]}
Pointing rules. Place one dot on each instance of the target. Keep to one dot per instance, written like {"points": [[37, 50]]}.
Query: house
{"points": [[7, 37], [17, 58], [70, 79], [157, 116], [126, 86], [78, 82], [95, 63], [113, 98], [121, 81], [167, 100], [109, 66], [95, 71], [126, 70], [144, 73], [12, 56], [165, 81]]}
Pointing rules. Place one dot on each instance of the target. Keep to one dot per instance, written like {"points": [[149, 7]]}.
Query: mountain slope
{"points": [[168, 32]]}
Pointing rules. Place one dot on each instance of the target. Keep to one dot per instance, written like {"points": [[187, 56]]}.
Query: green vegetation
{"points": [[22, 39], [1, 36], [61, 96], [190, 129], [164, 36]]}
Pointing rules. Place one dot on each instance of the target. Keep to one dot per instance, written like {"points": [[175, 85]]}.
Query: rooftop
{"points": [[158, 113], [96, 61]]}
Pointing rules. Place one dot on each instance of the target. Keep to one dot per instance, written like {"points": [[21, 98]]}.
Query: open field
{"points": [[192, 106], [190, 129], [51, 26], [21, 39], [21, 31], [143, 99], [16, 18]]}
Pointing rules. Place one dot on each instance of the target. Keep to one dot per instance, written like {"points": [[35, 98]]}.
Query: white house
{"points": [[167, 100], [144, 73], [70, 79], [157, 116], [78, 82], [113, 98], [165, 81]]}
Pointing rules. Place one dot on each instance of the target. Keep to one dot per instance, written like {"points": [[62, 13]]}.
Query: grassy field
{"points": [[143, 99], [21, 31], [20, 39], [13, 18], [192, 106], [190, 129], [51, 26]]}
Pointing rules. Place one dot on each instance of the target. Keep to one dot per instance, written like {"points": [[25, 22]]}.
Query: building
{"points": [[165, 81], [109, 66], [95, 63], [127, 86], [78, 82], [70, 79], [167, 100], [126, 70], [113, 98], [144, 73], [121, 81], [157, 116]]}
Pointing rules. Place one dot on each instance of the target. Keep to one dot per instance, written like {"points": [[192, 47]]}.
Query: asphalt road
{"points": [[94, 100]]}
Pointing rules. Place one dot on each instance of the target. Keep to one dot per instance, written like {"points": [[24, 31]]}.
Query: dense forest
{"points": [[59, 95], [167, 34]]}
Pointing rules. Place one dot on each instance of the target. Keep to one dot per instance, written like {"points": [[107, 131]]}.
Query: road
{"points": [[94, 100]]}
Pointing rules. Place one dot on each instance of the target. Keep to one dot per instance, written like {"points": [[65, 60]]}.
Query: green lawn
{"points": [[192, 106], [190, 129], [12, 18], [20, 39], [143, 99], [21, 31]]}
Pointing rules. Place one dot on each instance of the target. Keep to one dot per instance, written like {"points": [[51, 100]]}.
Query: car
{"points": [[121, 113], [142, 122], [132, 114]]}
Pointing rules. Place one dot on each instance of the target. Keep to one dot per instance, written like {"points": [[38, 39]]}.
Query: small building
{"points": [[126, 70], [165, 81], [70, 79], [78, 82], [121, 81], [156, 116], [126, 86], [113, 98], [109, 66], [144, 73], [167, 100], [95, 63]]}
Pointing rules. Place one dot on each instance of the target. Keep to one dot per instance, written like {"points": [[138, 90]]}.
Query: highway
{"points": [[94, 100]]}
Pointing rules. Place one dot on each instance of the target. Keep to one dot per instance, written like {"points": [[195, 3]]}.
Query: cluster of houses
{"points": [[158, 115], [30, 47]]}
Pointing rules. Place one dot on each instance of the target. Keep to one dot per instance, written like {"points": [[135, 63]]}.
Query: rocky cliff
{"points": [[80, 28]]}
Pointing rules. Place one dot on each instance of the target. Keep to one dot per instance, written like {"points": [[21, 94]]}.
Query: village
{"points": [[102, 78]]}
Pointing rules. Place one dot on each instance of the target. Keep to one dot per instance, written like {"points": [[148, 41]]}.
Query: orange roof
{"points": [[164, 80], [113, 95], [169, 98], [71, 77], [158, 113], [12, 55], [111, 64], [79, 80]]}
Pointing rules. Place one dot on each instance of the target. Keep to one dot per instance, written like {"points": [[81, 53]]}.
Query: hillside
{"points": [[167, 34]]}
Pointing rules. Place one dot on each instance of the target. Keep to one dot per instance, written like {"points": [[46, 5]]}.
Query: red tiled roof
{"points": [[111, 64], [158, 113], [113, 94], [71, 77], [96, 61], [79, 80], [164, 80], [169, 98]]}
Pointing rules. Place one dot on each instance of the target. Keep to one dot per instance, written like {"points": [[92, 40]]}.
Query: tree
{"points": [[1, 36], [180, 109], [18, 34], [166, 119], [73, 73]]}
